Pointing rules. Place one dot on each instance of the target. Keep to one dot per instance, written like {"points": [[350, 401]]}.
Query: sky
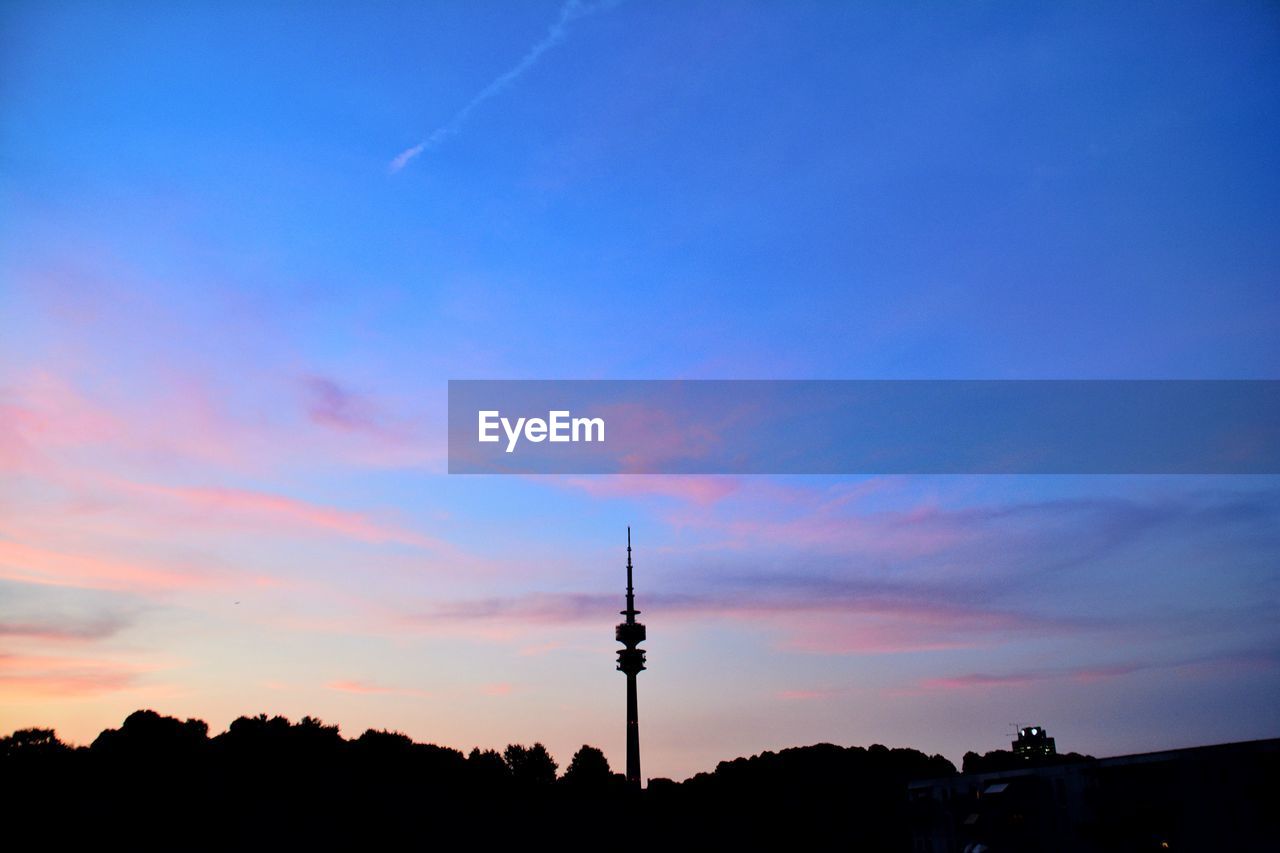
{"points": [[244, 246]]}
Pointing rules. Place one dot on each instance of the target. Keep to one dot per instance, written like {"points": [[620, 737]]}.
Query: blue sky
{"points": [[229, 322]]}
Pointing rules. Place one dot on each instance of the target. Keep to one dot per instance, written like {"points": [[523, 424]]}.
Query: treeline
{"points": [[164, 782]]}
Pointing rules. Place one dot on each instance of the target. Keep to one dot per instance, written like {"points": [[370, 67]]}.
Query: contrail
{"points": [[569, 12]]}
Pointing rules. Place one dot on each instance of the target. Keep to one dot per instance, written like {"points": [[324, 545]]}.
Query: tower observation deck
{"points": [[631, 661]]}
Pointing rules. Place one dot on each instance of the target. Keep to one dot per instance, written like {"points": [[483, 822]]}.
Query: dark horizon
{"points": [[267, 780], [973, 758]]}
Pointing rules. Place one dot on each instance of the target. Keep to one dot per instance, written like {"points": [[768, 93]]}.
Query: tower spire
{"points": [[631, 611], [631, 661]]}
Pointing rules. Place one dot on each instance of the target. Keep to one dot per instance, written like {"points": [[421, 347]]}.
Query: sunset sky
{"points": [[244, 246]]}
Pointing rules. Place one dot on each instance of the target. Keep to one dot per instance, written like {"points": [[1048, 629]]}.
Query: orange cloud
{"points": [[42, 676]]}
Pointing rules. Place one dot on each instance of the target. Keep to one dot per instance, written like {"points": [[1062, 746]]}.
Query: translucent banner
{"points": [[864, 427]]}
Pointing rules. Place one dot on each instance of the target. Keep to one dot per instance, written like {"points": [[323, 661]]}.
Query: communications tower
{"points": [[631, 661]]}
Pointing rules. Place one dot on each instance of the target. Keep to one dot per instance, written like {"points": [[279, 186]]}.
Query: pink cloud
{"points": [[43, 676], [819, 619], [49, 420], [68, 628], [539, 649], [169, 415], [1103, 673], [46, 413], [662, 435], [703, 490], [370, 689], [331, 405], [766, 513], [531, 608], [1082, 674], [915, 532], [366, 430], [245, 506], [31, 564], [876, 625], [807, 695], [979, 680], [883, 633]]}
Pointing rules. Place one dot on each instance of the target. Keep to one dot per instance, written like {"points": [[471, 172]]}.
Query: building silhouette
{"points": [[1034, 744], [1217, 797], [631, 661]]}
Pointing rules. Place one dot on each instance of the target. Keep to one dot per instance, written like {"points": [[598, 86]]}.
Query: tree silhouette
{"points": [[530, 765], [303, 782], [589, 767], [487, 766], [31, 742], [269, 782], [151, 734]]}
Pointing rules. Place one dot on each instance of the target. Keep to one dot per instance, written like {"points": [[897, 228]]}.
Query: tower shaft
{"points": [[633, 732]]}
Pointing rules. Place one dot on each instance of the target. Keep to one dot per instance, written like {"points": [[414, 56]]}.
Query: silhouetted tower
{"points": [[631, 661]]}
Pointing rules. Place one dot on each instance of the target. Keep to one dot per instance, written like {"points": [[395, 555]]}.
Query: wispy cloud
{"points": [[1253, 658], [807, 695], [26, 677], [32, 564], [329, 404], [702, 490], [63, 627], [569, 12], [369, 688], [226, 504], [818, 615]]}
